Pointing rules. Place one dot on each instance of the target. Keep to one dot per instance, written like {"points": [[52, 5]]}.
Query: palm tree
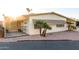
{"points": [[39, 25], [70, 24], [46, 27]]}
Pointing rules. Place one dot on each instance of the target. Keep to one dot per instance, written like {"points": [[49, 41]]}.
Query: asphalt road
{"points": [[40, 45]]}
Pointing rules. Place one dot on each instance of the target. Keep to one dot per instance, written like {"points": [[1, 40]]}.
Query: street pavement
{"points": [[40, 45]]}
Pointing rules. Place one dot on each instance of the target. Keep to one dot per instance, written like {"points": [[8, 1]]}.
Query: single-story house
{"points": [[55, 20]]}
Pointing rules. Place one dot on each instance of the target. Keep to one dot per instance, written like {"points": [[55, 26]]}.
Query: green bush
{"points": [[74, 27]]}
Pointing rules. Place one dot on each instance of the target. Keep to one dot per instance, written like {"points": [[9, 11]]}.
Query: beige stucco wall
{"points": [[30, 26]]}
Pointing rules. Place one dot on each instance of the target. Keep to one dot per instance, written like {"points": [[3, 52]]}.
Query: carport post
{"points": [[4, 26], [5, 32]]}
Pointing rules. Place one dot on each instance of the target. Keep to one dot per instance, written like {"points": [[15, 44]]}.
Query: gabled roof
{"points": [[36, 14]]}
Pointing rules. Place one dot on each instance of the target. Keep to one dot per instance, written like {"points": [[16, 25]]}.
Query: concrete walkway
{"points": [[72, 35]]}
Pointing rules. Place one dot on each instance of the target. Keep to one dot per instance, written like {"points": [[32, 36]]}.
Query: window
{"points": [[59, 25]]}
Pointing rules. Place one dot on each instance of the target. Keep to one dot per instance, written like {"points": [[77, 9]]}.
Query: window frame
{"points": [[60, 25]]}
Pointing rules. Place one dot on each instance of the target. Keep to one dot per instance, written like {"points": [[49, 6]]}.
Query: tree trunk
{"points": [[44, 33], [69, 27], [40, 31]]}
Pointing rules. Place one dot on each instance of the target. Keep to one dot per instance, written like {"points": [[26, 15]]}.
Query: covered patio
{"points": [[13, 27]]}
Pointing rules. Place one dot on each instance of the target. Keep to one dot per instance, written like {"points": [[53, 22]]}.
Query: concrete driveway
{"points": [[66, 35], [15, 34]]}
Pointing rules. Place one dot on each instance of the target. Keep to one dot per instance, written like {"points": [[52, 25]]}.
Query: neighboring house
{"points": [[55, 20]]}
